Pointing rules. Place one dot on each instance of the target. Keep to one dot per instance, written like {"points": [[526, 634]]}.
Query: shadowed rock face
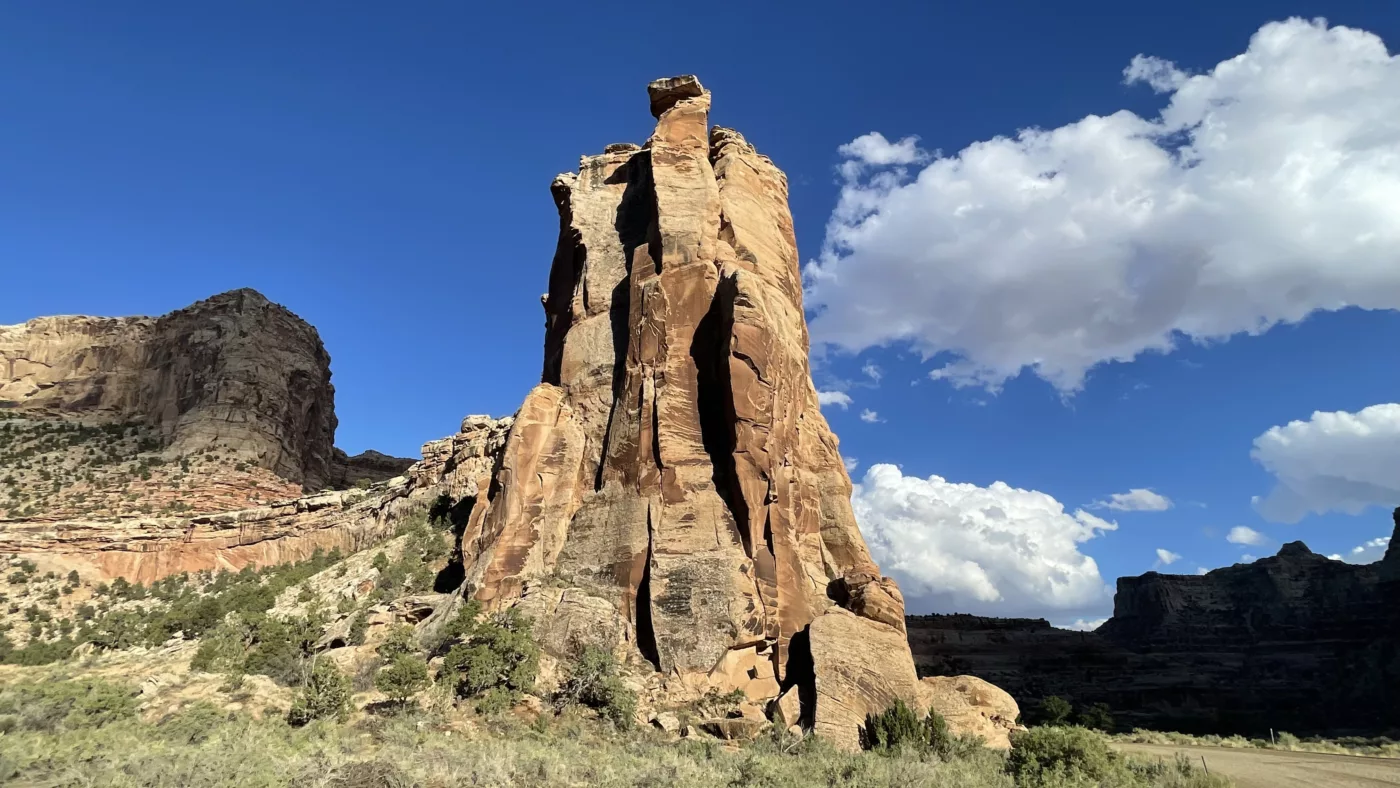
{"points": [[671, 490], [234, 371], [1296, 642]]}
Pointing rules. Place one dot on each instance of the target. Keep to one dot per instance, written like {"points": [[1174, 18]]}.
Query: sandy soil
{"points": [[1282, 769]]}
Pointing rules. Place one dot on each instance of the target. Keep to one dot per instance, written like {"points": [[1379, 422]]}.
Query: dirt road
{"points": [[1282, 769]]}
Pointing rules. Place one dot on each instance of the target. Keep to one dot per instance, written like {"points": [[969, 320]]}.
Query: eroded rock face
{"points": [[235, 371], [1296, 641], [972, 706], [144, 549], [670, 490]]}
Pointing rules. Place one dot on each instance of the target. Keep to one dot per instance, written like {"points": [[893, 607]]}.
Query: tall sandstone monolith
{"points": [[670, 490]]}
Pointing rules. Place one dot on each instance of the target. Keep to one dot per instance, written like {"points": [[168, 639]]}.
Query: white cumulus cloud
{"points": [[1332, 462], [1166, 557], [1367, 552], [1267, 188], [875, 150], [1243, 534], [993, 550], [1135, 500], [872, 371], [851, 463], [838, 398], [870, 416], [1080, 625]]}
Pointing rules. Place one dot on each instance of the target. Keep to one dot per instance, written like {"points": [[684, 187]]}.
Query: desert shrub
{"points": [[370, 774], [895, 728], [1287, 740], [593, 682], [900, 728], [224, 649], [1096, 716], [66, 705], [496, 657], [1051, 710], [398, 642], [359, 628], [326, 694], [194, 724], [405, 676], [1045, 754], [281, 648]]}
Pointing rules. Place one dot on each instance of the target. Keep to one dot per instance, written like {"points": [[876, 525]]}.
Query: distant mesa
{"points": [[1296, 642], [234, 371]]}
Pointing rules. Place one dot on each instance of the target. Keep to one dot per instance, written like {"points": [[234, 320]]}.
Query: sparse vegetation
{"points": [[89, 733], [492, 661], [1374, 746], [325, 695], [901, 730], [593, 682]]}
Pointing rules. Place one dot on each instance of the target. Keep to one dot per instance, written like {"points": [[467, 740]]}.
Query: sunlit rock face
{"points": [[234, 373], [670, 490]]}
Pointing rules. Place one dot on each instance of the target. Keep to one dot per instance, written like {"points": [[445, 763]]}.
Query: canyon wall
{"points": [[233, 372], [1296, 642]]}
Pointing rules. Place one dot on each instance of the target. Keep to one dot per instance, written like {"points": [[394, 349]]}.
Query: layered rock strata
{"points": [[143, 549], [233, 372], [670, 491], [1296, 642]]}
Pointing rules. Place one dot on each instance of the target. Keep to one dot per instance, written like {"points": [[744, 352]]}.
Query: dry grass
{"points": [[204, 745], [1378, 746]]}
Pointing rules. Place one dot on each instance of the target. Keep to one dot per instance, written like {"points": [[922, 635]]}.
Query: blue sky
{"points": [[384, 173]]}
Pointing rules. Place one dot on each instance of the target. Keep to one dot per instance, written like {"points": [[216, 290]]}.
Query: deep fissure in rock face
{"points": [[646, 634], [709, 350]]}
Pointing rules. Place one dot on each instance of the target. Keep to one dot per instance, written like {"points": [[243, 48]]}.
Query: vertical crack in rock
{"points": [[646, 634], [715, 401]]}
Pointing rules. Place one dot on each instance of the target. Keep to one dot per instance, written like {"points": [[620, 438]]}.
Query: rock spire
{"points": [[670, 490]]}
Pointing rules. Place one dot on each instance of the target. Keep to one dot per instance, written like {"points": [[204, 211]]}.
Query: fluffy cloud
{"points": [[1080, 625], [1366, 553], [872, 371], [1331, 462], [1166, 557], [870, 416], [838, 398], [994, 550], [851, 464], [1242, 534], [1136, 500], [1266, 189]]}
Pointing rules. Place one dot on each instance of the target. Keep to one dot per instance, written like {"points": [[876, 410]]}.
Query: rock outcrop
{"points": [[1296, 642], [973, 706], [233, 372], [144, 549], [366, 467], [670, 491]]}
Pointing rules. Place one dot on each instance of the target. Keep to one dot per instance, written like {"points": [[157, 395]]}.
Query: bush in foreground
{"points": [[326, 694], [1040, 755], [901, 729]]}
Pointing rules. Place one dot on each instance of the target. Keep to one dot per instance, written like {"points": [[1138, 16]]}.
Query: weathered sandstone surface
{"points": [[143, 549], [670, 491], [1295, 642], [233, 372]]}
